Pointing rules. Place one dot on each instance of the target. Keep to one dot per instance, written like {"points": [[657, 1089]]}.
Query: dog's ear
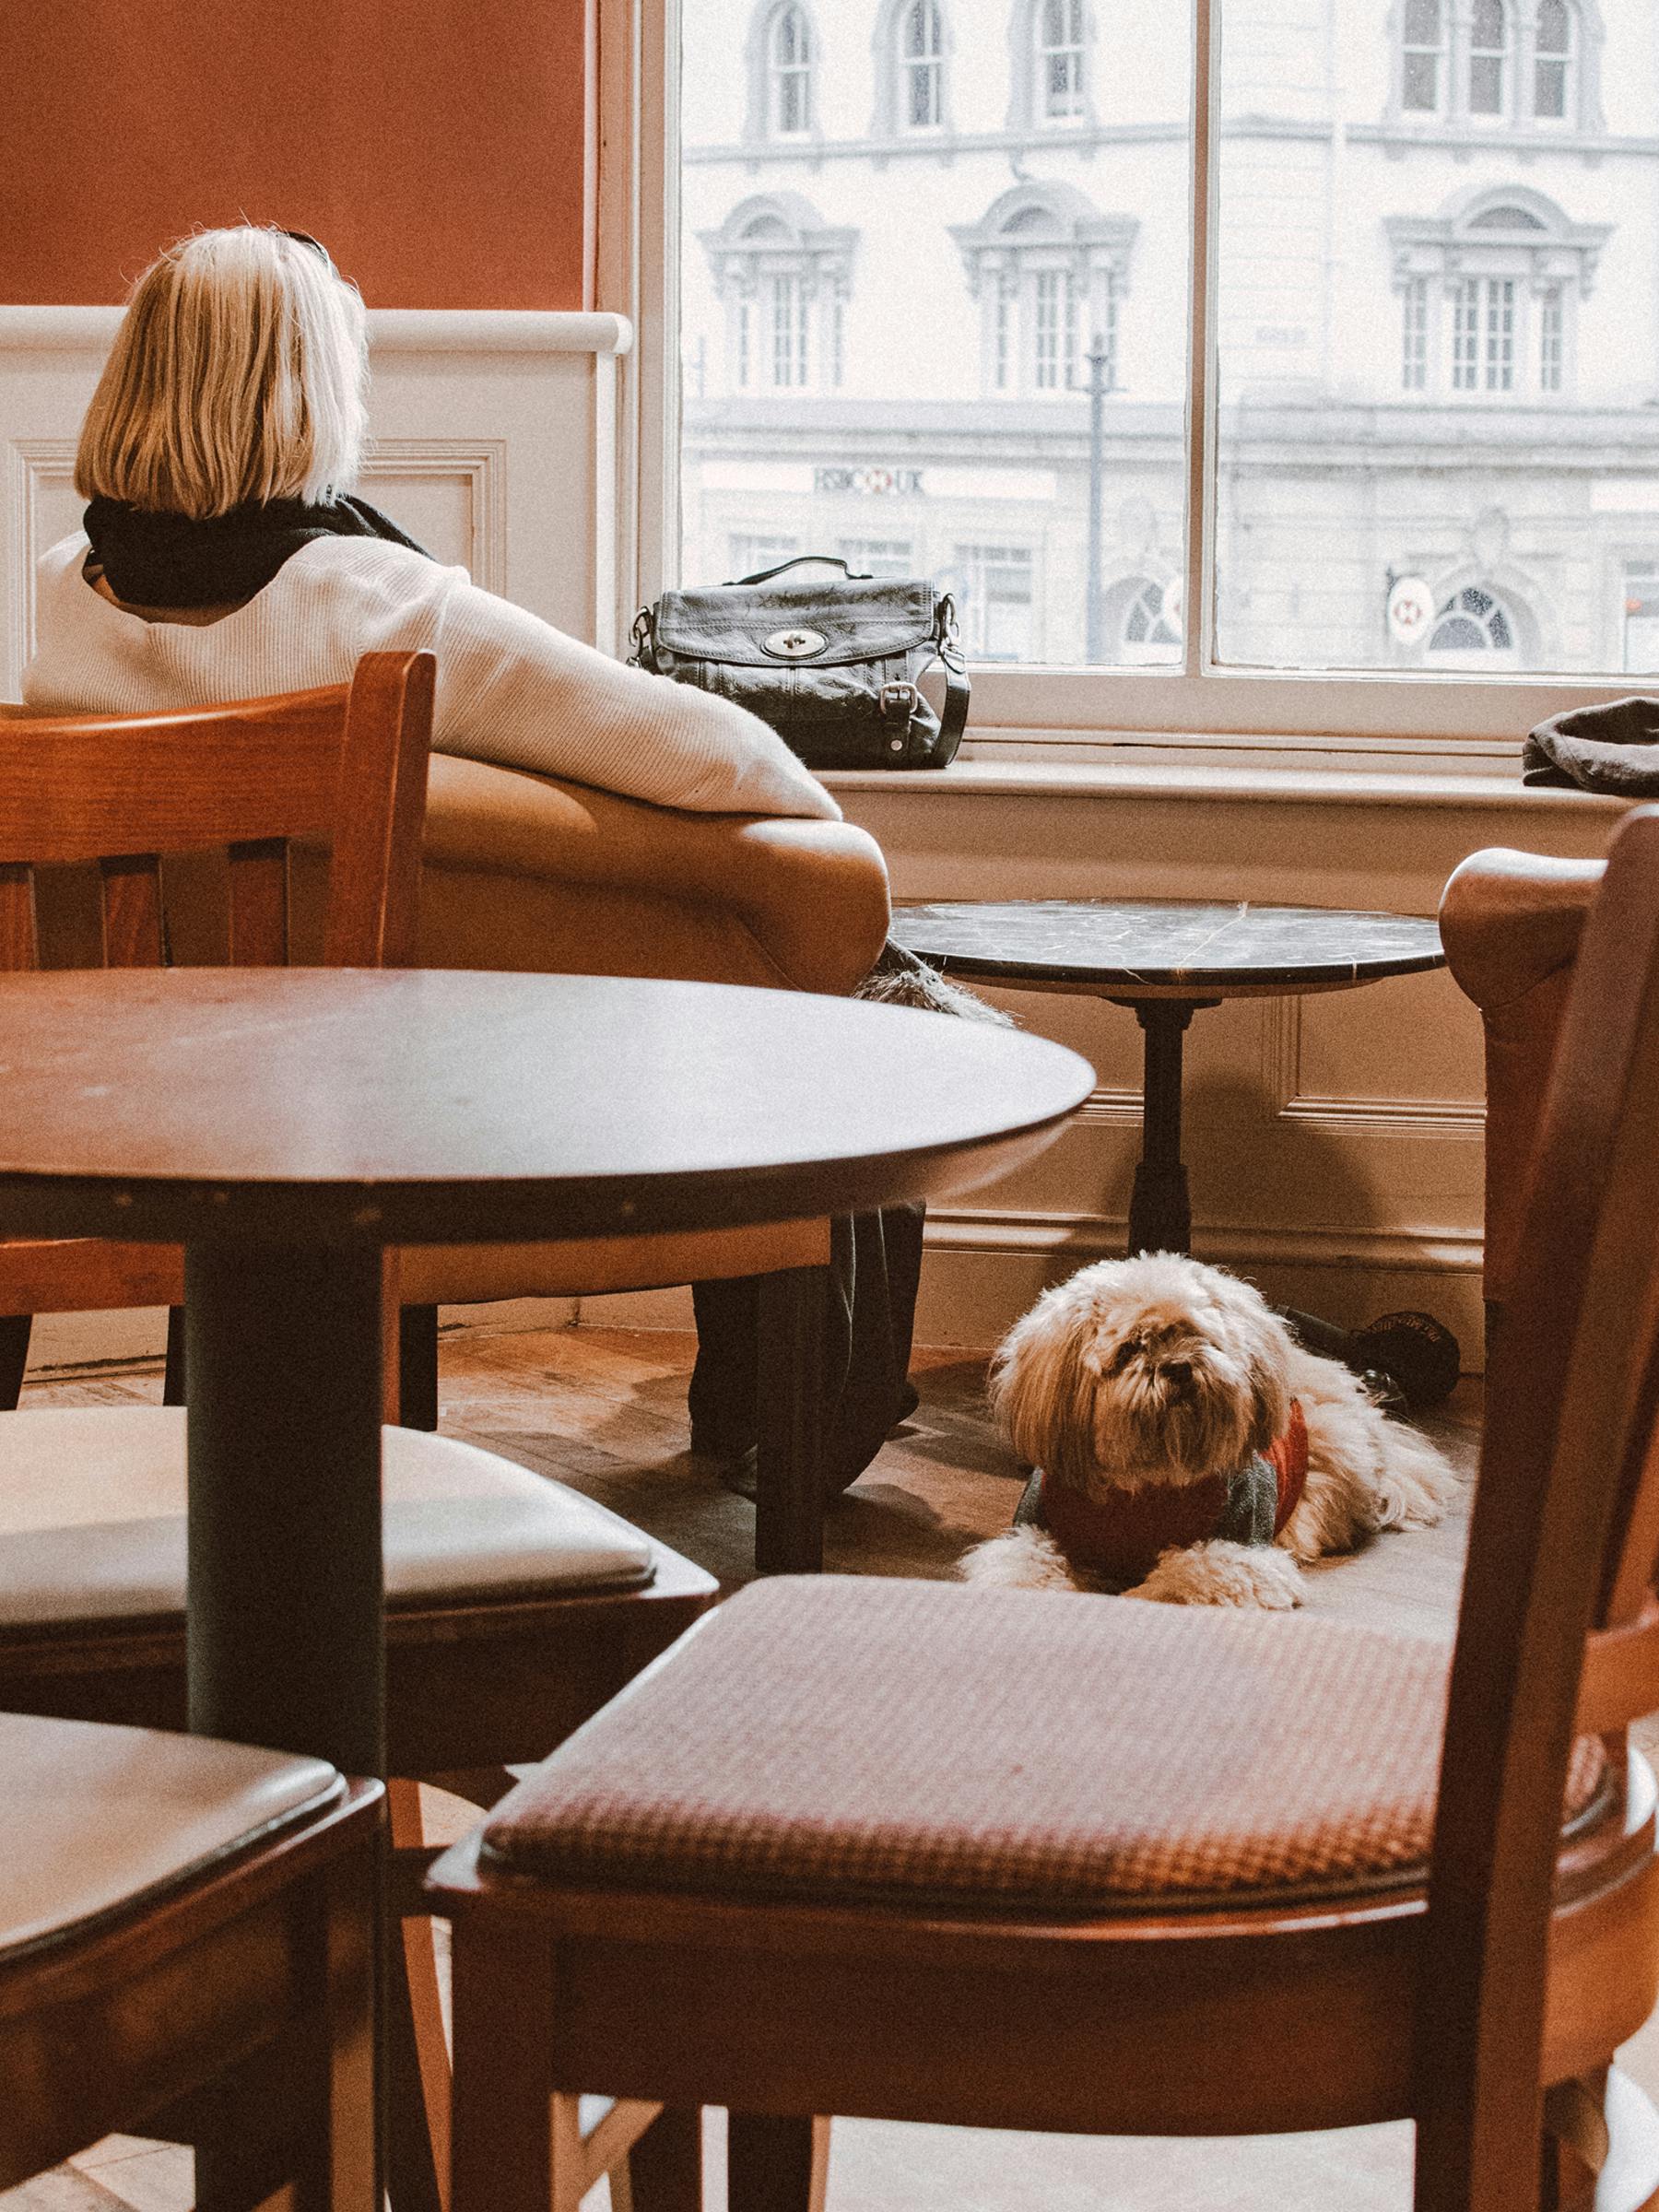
{"points": [[1042, 1390], [1267, 1359]]}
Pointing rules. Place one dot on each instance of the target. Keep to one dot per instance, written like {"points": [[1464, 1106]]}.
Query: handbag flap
{"points": [[856, 621]]}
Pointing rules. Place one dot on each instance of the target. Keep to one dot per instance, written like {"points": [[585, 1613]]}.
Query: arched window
{"points": [[789, 70], [1150, 636], [1489, 53], [1422, 61], [1473, 620], [1490, 290], [1050, 273], [1060, 59], [921, 67], [1553, 63], [784, 276]]}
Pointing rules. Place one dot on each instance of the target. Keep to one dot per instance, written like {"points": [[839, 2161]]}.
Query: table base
{"points": [[1161, 1212]]}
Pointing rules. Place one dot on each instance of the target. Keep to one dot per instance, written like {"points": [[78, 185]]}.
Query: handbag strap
{"points": [[803, 561], [954, 720]]}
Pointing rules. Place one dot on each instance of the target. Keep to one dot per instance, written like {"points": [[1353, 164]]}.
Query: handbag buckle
{"points": [[899, 698]]}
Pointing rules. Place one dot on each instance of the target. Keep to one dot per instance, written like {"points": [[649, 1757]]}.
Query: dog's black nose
{"points": [[1178, 1374]]}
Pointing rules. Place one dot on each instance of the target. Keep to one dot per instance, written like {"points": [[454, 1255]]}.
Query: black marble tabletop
{"points": [[1156, 943]]}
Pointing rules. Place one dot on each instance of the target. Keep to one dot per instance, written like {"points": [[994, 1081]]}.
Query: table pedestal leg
{"points": [[1161, 1216], [286, 1636]]}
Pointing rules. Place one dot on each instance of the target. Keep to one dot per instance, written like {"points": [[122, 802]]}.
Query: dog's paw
{"points": [[1026, 1558], [1220, 1574]]}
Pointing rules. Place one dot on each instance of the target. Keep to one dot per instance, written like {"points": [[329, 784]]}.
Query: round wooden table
{"points": [[1167, 958], [287, 1125]]}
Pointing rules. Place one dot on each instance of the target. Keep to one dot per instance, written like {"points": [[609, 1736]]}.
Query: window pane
{"points": [[891, 344], [1438, 451]]}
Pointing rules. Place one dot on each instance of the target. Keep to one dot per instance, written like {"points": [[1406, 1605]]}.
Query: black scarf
{"points": [[158, 559]]}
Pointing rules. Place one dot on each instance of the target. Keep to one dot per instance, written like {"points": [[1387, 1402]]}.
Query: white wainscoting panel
{"points": [[494, 446]]}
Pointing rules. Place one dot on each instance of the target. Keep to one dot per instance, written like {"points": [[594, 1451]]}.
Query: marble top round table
{"points": [[1167, 958], [287, 1125]]}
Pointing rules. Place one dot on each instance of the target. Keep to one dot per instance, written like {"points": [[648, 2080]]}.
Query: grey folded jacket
{"points": [[1614, 748]]}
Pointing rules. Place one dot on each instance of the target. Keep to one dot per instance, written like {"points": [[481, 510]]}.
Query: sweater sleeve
{"points": [[514, 690]]}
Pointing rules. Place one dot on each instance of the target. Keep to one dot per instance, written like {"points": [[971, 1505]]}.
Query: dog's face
{"points": [[1157, 1368]]}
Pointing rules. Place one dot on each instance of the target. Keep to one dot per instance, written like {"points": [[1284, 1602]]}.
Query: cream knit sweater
{"points": [[511, 688]]}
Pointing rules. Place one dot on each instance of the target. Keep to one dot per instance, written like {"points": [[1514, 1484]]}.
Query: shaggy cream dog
{"points": [[1160, 1370]]}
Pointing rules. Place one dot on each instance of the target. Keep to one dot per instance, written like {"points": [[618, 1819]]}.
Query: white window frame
{"points": [[1420, 723]]}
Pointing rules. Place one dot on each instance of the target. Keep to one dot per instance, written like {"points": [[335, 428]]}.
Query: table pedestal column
{"points": [[286, 1641], [1160, 1215]]}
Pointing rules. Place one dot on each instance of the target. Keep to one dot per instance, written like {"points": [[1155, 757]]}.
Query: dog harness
{"points": [[1118, 1539]]}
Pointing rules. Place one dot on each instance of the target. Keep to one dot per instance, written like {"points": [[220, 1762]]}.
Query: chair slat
{"points": [[373, 913], [259, 915], [132, 910], [20, 947]]}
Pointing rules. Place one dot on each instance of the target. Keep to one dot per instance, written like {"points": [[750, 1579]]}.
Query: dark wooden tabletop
{"points": [[1160, 945], [403, 1107]]}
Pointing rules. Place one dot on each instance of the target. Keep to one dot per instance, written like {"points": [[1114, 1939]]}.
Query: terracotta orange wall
{"points": [[441, 148]]}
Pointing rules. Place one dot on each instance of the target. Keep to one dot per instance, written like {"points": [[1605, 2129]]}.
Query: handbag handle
{"points": [[802, 560]]}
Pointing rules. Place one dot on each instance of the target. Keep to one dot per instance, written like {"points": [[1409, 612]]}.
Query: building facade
{"points": [[916, 232]]}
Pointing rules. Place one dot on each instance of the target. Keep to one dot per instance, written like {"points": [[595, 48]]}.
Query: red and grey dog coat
{"points": [[1118, 1538]]}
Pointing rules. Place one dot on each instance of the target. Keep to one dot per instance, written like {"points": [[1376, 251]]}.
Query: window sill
{"points": [[1314, 786]]}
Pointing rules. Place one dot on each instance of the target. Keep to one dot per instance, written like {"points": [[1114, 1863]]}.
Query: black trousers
{"points": [[875, 1270]]}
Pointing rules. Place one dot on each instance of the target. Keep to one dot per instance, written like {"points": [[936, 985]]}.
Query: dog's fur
{"points": [[1162, 1369]]}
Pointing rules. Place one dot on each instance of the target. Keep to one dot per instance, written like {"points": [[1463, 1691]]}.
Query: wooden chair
{"points": [[515, 1607], [1065, 1864], [114, 794], [183, 1948]]}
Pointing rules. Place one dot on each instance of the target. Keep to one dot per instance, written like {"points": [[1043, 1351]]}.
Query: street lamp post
{"points": [[1099, 360]]}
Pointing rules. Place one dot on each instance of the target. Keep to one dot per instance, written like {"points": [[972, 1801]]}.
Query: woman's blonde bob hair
{"points": [[239, 375]]}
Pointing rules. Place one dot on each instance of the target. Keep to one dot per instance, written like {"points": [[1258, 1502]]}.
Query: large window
{"points": [[1407, 360]]}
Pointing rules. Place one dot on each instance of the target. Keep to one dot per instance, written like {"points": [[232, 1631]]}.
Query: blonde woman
{"points": [[225, 555]]}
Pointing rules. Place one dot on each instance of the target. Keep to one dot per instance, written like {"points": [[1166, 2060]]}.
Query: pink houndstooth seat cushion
{"points": [[999, 1749]]}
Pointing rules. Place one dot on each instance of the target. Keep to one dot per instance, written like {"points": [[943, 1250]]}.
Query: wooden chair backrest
{"points": [[348, 764], [1556, 1629]]}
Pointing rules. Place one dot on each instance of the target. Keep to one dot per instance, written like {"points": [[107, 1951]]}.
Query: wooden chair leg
{"points": [[172, 1380], [417, 1366], [13, 1357], [507, 2155], [301, 2111], [665, 2167], [776, 2165], [789, 1495], [418, 2052]]}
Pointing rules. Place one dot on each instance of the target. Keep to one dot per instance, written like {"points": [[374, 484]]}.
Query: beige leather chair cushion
{"points": [[460, 1275], [524, 872], [101, 1819], [844, 1738], [92, 1502]]}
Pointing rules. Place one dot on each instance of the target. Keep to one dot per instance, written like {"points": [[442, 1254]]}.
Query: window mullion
{"points": [[1198, 627]]}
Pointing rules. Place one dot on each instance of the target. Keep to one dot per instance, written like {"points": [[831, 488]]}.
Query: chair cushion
{"points": [[1000, 1749], [92, 1527], [99, 1818]]}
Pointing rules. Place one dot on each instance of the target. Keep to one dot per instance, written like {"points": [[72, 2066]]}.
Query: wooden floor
{"points": [[605, 1411]]}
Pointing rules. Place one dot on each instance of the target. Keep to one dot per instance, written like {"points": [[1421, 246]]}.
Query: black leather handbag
{"points": [[831, 665]]}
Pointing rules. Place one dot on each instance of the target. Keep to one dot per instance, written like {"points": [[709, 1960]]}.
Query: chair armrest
{"points": [[1511, 924], [524, 872], [1509, 920]]}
